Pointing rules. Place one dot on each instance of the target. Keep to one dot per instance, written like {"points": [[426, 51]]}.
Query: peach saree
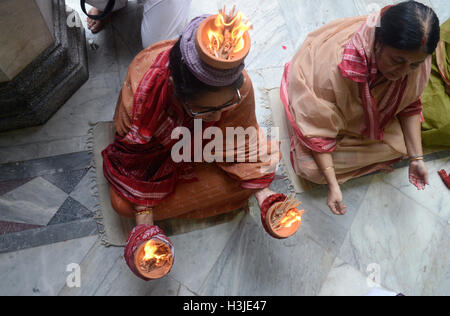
{"points": [[337, 101]]}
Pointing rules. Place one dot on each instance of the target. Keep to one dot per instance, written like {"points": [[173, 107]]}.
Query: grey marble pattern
{"points": [[47, 235], [254, 264], [50, 166], [83, 191], [36, 202], [434, 198], [41, 271], [70, 211], [196, 253], [345, 280], [403, 238], [66, 180], [328, 256], [306, 16]]}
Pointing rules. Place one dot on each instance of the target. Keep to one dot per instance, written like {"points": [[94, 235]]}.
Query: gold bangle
{"points": [[146, 211], [416, 159], [329, 168]]}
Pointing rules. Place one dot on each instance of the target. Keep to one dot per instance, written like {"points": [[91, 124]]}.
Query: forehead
{"points": [[410, 56]]}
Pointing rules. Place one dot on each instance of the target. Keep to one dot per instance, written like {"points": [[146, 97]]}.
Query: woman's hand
{"points": [[262, 195], [335, 200], [418, 174]]}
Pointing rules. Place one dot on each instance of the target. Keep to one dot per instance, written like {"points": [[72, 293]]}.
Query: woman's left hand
{"points": [[418, 174]]}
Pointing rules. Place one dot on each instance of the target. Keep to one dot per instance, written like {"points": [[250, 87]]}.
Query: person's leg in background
{"points": [[97, 7], [163, 20]]}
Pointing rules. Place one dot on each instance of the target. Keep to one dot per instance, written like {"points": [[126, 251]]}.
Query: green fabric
{"points": [[436, 102]]}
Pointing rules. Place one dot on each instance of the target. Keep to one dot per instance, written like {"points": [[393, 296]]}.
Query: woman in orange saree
{"points": [[168, 88], [352, 97]]}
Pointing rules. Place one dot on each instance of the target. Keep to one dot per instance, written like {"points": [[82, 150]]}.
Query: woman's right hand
{"points": [[335, 201]]}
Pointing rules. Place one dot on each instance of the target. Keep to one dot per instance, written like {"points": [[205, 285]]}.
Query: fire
{"points": [[227, 37], [291, 218], [151, 253]]}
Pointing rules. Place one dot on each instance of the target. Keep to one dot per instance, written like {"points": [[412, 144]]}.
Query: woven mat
{"points": [[114, 229]]}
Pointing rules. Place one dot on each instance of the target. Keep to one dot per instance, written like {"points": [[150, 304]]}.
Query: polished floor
{"points": [[393, 234]]}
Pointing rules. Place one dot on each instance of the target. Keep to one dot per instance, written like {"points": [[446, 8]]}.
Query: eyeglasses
{"points": [[227, 105]]}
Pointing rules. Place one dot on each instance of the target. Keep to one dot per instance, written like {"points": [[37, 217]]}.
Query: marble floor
{"points": [[393, 234]]}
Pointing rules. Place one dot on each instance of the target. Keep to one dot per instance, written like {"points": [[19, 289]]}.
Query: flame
{"points": [[292, 217], [217, 38], [151, 250]]}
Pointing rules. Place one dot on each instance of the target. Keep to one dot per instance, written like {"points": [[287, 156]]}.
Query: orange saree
{"points": [[195, 190]]}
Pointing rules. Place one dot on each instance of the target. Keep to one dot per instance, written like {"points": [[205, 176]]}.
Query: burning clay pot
{"points": [[154, 259], [207, 35], [280, 216], [287, 226]]}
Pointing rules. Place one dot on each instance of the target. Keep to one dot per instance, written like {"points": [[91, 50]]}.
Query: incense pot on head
{"points": [[222, 41]]}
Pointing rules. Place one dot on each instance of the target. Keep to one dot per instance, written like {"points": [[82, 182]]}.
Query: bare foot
{"points": [[94, 25]]}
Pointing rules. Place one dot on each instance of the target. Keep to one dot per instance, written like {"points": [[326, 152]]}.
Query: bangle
{"points": [[416, 159], [146, 211], [329, 168]]}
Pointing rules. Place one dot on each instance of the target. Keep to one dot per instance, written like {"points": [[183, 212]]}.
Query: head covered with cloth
{"points": [[169, 86]]}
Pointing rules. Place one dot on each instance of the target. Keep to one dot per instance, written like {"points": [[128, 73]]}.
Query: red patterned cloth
{"points": [[139, 166], [139, 235], [445, 178]]}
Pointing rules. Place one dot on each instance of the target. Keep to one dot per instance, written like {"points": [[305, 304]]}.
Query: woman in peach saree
{"points": [[352, 97]]}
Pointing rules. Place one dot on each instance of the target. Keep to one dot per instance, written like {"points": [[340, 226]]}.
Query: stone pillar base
{"points": [[34, 95]]}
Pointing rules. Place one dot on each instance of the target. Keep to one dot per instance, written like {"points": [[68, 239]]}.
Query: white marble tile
{"points": [[83, 191], [435, 198], [345, 280], [95, 268], [35, 202], [197, 252], [184, 291], [262, 108], [369, 6], [304, 17], [120, 281], [254, 264], [269, 33], [402, 237], [104, 272], [42, 270], [442, 9]]}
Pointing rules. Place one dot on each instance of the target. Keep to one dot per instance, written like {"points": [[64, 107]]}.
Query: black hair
{"points": [[186, 84], [406, 25]]}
